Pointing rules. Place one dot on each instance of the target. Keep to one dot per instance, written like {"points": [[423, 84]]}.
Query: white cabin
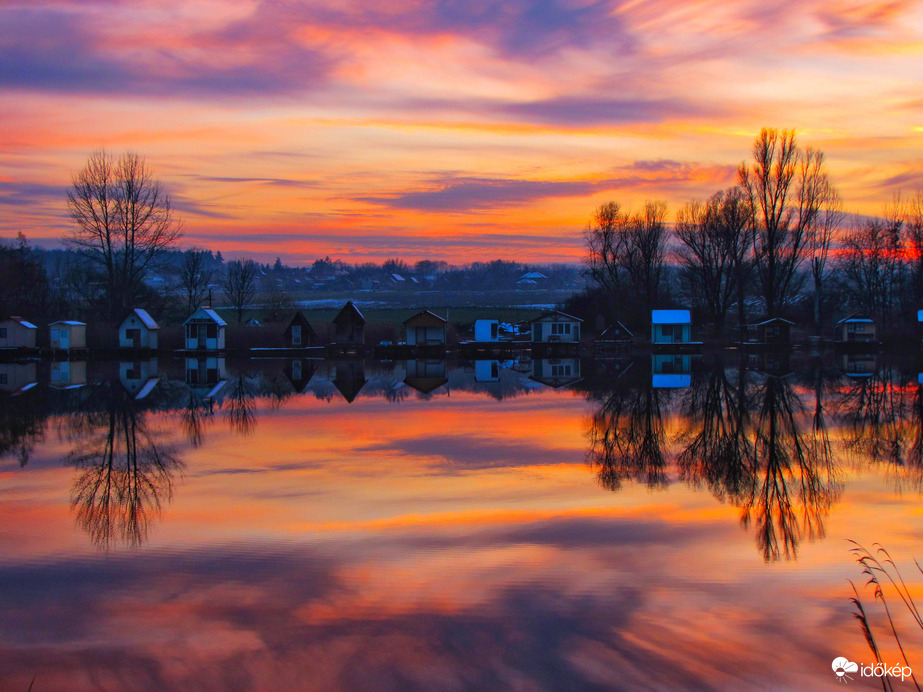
{"points": [[17, 333], [138, 330], [486, 331], [68, 334], [556, 327], [205, 330]]}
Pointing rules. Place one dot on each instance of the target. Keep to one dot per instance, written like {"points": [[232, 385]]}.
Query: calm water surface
{"points": [[662, 523]]}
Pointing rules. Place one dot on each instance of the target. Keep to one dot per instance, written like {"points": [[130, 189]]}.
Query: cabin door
{"points": [[202, 343], [134, 336], [64, 338], [296, 335]]}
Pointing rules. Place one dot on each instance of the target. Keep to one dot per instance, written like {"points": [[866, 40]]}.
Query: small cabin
{"points": [[425, 329], [206, 375], [855, 328], [205, 330], [17, 333], [556, 327], [486, 331], [138, 330], [299, 333], [615, 333], [349, 326], [671, 327], [774, 332], [68, 334]]}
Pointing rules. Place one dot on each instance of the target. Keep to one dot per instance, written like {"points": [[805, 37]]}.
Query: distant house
{"points": [[349, 326], [671, 327], [556, 327], [615, 332], [535, 277], [17, 333], [425, 329], [855, 328], [138, 330], [774, 332], [205, 330], [299, 332], [68, 334], [486, 331]]}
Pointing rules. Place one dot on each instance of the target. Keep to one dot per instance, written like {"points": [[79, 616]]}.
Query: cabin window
{"points": [[3, 378], [560, 328], [296, 334], [2, 332], [561, 370], [296, 370], [493, 330], [211, 331]]}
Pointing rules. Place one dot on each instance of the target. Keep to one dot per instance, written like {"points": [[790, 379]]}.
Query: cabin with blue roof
{"points": [[671, 327]]}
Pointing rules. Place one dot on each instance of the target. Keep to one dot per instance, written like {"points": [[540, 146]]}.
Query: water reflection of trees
{"points": [[627, 437], [881, 418], [125, 475], [749, 438]]}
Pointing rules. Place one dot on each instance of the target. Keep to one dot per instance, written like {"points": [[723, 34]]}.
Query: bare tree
{"points": [[123, 222], [784, 184], [870, 267], [714, 243], [194, 277], [912, 214], [628, 251], [240, 284]]}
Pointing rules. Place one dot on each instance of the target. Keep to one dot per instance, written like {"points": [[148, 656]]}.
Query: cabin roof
{"points": [[349, 313], [670, 317], [615, 326], [21, 321], [206, 314], [854, 319], [69, 323], [425, 318], [772, 320], [145, 318], [555, 315]]}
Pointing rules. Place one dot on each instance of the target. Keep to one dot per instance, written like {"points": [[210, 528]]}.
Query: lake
{"points": [[666, 522]]}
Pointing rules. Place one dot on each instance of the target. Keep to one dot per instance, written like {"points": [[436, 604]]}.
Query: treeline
{"points": [[777, 244], [42, 284]]}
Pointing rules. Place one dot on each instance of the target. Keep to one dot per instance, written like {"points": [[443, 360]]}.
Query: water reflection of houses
{"points": [[206, 375], [775, 363], [425, 374], [16, 378], [556, 372], [487, 371], [299, 372], [671, 370], [139, 377], [68, 374], [858, 364], [349, 378]]}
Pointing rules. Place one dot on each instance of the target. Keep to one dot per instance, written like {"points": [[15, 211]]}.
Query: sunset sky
{"points": [[446, 129]]}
